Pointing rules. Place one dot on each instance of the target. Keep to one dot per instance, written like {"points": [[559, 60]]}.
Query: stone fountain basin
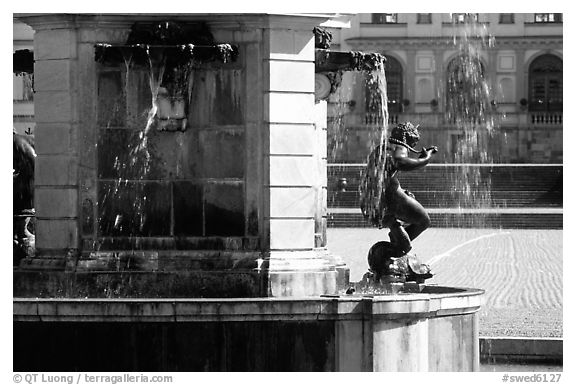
{"points": [[434, 330]]}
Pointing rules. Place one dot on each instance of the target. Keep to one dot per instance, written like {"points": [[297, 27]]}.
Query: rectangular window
{"points": [[506, 18], [424, 18], [548, 18], [384, 18], [461, 18]]}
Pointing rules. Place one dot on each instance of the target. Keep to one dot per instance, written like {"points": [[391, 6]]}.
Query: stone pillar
{"points": [[286, 172], [294, 162], [65, 113], [56, 114]]}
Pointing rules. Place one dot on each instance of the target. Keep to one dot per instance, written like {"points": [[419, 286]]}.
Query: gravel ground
{"points": [[521, 271]]}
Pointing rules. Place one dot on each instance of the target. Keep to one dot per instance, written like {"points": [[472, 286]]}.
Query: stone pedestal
{"points": [[264, 113]]}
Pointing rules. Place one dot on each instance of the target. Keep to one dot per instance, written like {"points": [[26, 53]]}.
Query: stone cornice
{"points": [[70, 21], [227, 21], [446, 42]]}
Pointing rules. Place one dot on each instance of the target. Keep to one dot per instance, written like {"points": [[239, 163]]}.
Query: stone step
{"points": [[454, 199], [500, 175], [444, 183], [509, 185], [466, 220]]}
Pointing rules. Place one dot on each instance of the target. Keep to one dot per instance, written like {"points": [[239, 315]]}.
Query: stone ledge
{"points": [[102, 286], [240, 309], [521, 350]]}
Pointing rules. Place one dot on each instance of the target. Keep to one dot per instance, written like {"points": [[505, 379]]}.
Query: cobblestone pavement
{"points": [[521, 271]]}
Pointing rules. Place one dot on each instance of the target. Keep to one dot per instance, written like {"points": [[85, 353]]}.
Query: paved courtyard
{"points": [[521, 271]]}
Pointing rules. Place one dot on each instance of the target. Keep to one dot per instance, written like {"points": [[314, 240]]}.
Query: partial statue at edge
{"points": [[24, 157], [387, 205]]}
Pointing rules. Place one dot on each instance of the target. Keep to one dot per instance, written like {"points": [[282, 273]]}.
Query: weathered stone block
{"points": [[321, 114], [291, 76], [302, 284], [55, 44], [114, 35], [53, 107], [291, 44], [293, 171], [223, 35], [394, 340], [222, 154], [352, 346], [451, 345], [248, 35], [224, 210], [292, 139], [292, 202], [54, 138], [290, 108], [56, 234], [255, 78], [56, 203], [291, 233], [217, 97], [52, 75], [56, 170]]}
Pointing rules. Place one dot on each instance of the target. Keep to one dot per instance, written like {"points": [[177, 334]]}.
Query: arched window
{"points": [[466, 96], [394, 83], [545, 80]]}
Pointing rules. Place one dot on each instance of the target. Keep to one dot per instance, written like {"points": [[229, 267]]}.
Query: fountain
{"points": [[181, 208], [471, 108]]}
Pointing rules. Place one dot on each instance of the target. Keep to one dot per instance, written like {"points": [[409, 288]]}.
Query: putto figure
{"points": [[386, 204]]}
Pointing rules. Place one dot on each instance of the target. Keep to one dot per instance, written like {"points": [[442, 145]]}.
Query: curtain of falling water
{"points": [[377, 105], [133, 167], [376, 81], [338, 107], [373, 178], [469, 108], [337, 124]]}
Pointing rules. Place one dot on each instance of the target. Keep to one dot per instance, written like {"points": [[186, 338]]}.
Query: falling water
{"points": [[134, 167], [378, 104], [336, 122], [470, 108], [374, 77], [337, 133], [373, 179]]}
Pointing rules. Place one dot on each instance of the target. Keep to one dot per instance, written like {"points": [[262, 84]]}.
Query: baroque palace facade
{"points": [[522, 67]]}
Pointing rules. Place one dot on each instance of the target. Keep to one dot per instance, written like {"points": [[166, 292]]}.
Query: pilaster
{"points": [[57, 133], [295, 162]]}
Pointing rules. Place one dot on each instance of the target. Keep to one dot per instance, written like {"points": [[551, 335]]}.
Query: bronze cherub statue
{"points": [[386, 204]]}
